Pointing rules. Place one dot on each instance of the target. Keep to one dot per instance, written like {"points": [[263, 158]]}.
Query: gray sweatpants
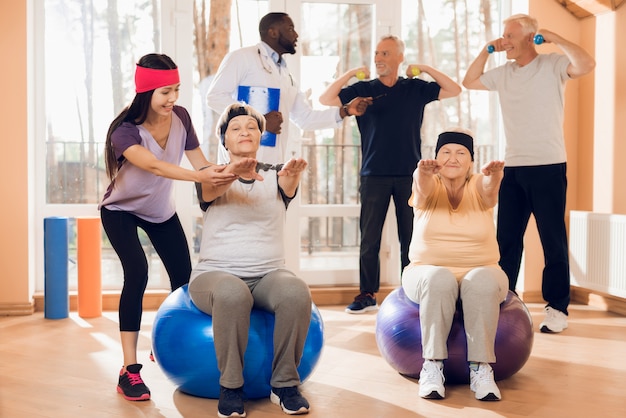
{"points": [[437, 291], [229, 300]]}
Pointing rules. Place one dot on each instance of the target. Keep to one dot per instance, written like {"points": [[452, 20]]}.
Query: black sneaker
{"points": [[290, 400], [131, 385], [363, 303], [230, 403]]}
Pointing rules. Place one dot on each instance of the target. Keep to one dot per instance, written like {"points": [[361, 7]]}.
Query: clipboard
{"points": [[263, 99]]}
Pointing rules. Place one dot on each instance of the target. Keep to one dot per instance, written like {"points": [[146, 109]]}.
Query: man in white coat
{"points": [[261, 68]]}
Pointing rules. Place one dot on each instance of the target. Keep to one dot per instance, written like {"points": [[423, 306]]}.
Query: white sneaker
{"points": [[431, 380], [482, 382], [555, 321]]}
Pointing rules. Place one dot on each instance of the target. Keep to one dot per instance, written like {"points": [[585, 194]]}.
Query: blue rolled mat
{"points": [[55, 242]]}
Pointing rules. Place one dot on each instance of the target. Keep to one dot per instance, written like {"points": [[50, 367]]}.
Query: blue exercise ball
{"points": [[182, 343], [399, 338]]}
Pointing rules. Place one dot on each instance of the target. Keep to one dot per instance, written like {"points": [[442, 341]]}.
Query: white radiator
{"points": [[597, 244]]}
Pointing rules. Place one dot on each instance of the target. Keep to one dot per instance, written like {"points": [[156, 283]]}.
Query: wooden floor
{"points": [[68, 368]]}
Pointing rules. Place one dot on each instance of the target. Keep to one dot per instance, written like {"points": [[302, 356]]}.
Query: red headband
{"points": [[147, 79]]}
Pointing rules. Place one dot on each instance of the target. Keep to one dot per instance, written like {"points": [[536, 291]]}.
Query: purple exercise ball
{"points": [[399, 338]]}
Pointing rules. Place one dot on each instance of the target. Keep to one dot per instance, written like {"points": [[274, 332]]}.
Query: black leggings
{"points": [[170, 243]]}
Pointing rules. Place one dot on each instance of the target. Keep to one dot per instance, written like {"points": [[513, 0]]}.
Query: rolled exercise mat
{"points": [[88, 250], [55, 243]]}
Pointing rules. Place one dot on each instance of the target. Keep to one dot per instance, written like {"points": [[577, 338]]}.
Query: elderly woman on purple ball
{"points": [[454, 257]]}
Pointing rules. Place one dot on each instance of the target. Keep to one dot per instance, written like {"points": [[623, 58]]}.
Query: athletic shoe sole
{"points": [[143, 397], [360, 311]]}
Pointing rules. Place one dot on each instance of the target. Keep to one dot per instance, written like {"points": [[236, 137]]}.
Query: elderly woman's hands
{"points": [[431, 167], [493, 168], [293, 167], [289, 175], [488, 187], [244, 168], [423, 180]]}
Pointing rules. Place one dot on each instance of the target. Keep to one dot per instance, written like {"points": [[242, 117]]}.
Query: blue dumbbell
{"points": [[538, 40]]}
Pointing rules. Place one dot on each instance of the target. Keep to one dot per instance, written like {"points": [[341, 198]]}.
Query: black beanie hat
{"points": [[455, 138]]}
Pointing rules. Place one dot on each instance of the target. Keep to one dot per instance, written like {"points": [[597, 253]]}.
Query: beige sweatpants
{"points": [[436, 290]]}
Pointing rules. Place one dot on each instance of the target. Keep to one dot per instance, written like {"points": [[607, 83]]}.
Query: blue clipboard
{"points": [[263, 99]]}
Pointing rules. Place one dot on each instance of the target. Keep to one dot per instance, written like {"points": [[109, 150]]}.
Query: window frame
{"points": [[177, 41]]}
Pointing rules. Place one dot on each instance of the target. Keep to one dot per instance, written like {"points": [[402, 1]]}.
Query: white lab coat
{"points": [[253, 66]]}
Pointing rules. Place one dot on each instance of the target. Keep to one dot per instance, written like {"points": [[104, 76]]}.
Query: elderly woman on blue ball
{"points": [[242, 265], [454, 258]]}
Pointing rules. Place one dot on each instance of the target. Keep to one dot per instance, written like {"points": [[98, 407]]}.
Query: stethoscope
{"points": [[267, 68]]}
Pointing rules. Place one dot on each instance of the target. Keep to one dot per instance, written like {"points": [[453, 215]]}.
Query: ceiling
{"points": [[586, 8]]}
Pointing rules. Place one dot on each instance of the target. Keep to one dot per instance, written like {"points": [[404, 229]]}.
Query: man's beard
{"points": [[286, 45]]}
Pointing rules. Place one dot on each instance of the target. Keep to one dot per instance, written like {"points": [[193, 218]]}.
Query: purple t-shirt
{"points": [[138, 191]]}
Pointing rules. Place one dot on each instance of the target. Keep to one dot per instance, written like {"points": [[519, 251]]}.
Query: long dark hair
{"points": [[136, 112]]}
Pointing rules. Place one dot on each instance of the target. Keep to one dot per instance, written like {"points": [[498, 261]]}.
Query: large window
{"points": [[447, 35], [337, 36], [90, 48], [85, 72], [90, 52]]}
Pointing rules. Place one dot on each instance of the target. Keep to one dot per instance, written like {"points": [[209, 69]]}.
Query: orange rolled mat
{"points": [[88, 251]]}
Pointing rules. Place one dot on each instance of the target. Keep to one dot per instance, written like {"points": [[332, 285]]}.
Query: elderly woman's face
{"points": [[243, 136], [455, 159]]}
